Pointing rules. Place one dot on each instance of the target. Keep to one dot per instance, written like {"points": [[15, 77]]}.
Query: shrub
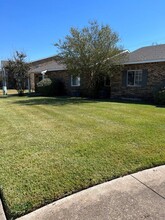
{"points": [[50, 87], [160, 96], [44, 87]]}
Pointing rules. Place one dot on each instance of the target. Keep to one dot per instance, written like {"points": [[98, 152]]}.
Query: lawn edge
{"points": [[15, 215]]}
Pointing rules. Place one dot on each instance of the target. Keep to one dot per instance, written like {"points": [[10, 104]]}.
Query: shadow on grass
{"points": [[54, 101], [67, 100], [131, 101]]}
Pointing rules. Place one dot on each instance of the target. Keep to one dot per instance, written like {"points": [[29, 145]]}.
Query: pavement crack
{"points": [[148, 187]]}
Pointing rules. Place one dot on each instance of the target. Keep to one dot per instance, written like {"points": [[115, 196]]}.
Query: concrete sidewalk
{"points": [[136, 196], [2, 214]]}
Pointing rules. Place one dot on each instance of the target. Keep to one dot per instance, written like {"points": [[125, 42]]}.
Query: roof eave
{"points": [[145, 61], [49, 70]]}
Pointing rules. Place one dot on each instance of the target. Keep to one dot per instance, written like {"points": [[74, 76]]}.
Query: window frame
{"points": [[138, 72], [78, 80]]}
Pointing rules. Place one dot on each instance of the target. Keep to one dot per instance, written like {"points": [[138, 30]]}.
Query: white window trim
{"points": [[72, 81], [134, 78]]}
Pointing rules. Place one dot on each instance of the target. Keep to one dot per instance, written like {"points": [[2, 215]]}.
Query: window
{"points": [[75, 80], [134, 77], [107, 81]]}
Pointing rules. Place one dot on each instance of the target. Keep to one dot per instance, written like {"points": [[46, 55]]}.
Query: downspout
{"points": [[43, 73]]}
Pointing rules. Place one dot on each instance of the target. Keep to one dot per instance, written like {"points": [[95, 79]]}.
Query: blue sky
{"points": [[33, 26]]}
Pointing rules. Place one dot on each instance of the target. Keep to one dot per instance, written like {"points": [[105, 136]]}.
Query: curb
{"points": [[135, 196], [2, 213]]}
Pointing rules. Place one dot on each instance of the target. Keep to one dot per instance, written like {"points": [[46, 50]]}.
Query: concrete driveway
{"points": [[137, 196]]}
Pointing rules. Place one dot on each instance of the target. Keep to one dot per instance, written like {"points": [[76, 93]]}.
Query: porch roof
{"points": [[50, 66]]}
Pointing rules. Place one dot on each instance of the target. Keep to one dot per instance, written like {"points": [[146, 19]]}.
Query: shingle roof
{"points": [[50, 66], [148, 54]]}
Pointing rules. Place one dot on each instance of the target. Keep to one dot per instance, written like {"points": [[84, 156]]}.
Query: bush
{"points": [[49, 87], [160, 96], [44, 87]]}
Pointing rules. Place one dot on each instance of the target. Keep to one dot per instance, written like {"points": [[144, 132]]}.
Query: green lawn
{"points": [[50, 148]]}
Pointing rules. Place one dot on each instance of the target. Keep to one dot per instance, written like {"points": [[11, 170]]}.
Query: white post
{"points": [[4, 88], [43, 75]]}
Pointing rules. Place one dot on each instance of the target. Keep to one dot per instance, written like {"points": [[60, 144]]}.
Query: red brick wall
{"points": [[156, 76]]}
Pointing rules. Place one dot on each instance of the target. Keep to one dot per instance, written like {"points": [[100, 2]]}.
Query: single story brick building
{"points": [[143, 73]]}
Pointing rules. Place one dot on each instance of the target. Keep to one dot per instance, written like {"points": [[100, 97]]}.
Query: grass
{"points": [[9, 92], [51, 147]]}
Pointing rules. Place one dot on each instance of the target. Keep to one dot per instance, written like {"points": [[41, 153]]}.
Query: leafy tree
{"points": [[91, 52], [19, 69]]}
